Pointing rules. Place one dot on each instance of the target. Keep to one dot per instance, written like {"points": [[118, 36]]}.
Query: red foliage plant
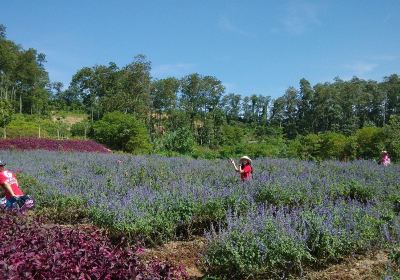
{"points": [[52, 145], [34, 250]]}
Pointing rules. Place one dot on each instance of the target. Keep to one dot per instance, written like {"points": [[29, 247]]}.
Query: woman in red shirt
{"points": [[9, 183], [245, 169]]}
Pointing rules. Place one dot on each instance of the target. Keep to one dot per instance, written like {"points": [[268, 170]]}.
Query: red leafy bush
{"points": [[52, 145], [33, 250]]}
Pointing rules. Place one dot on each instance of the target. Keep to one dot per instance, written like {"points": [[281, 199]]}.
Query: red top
{"points": [[246, 175], [10, 178]]}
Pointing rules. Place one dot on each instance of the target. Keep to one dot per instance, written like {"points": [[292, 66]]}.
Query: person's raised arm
{"points": [[234, 165]]}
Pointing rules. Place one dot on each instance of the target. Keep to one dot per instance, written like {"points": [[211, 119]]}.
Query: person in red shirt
{"points": [[245, 169], [9, 183]]}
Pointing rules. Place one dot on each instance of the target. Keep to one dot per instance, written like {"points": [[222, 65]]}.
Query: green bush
{"points": [[269, 147], [206, 153], [28, 126], [311, 147], [64, 209], [353, 190], [280, 196], [80, 129], [180, 140], [122, 132], [255, 255], [370, 141], [392, 137], [333, 146]]}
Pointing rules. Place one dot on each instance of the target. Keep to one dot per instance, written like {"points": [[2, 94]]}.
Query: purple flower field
{"points": [[292, 214]]}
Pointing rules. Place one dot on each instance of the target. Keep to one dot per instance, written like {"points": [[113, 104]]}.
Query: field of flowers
{"points": [[292, 215]]}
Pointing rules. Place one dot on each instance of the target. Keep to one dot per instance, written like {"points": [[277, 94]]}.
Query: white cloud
{"points": [[225, 24], [360, 68], [369, 64], [177, 69], [299, 16], [385, 57]]}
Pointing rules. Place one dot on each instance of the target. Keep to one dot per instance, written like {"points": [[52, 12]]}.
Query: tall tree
{"points": [[98, 87], [231, 106], [291, 112], [136, 84], [163, 102], [164, 94], [306, 106], [391, 87], [190, 100]]}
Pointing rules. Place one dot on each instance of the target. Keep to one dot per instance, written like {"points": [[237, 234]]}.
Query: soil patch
{"points": [[70, 119], [186, 253], [370, 266]]}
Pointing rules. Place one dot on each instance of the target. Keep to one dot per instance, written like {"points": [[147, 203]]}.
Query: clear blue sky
{"points": [[253, 47]]}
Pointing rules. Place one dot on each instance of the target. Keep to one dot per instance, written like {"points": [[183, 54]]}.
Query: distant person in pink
{"points": [[384, 159], [245, 169]]}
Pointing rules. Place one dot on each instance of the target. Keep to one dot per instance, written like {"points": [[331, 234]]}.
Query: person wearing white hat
{"points": [[245, 169]]}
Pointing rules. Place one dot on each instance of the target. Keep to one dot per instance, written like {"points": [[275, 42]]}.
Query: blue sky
{"points": [[253, 47]]}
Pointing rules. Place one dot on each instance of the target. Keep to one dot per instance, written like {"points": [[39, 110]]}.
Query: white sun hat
{"points": [[245, 158]]}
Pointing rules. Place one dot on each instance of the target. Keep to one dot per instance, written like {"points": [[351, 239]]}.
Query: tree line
{"points": [[196, 107]]}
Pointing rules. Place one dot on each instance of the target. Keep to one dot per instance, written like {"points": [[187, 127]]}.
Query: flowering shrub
{"points": [[32, 250], [277, 240], [52, 145]]}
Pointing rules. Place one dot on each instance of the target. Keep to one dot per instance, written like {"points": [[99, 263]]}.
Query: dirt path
{"points": [[370, 266], [186, 253]]}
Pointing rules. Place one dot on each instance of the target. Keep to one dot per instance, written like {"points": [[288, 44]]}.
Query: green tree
{"points": [[278, 112], [190, 100], [164, 95], [231, 106], [291, 112], [136, 85], [391, 85], [163, 103], [306, 121], [201, 100], [99, 89]]}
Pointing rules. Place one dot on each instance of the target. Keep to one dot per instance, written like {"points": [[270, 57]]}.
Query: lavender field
{"points": [[292, 214]]}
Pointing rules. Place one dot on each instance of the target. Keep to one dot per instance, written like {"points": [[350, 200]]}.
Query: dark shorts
{"points": [[18, 202]]}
